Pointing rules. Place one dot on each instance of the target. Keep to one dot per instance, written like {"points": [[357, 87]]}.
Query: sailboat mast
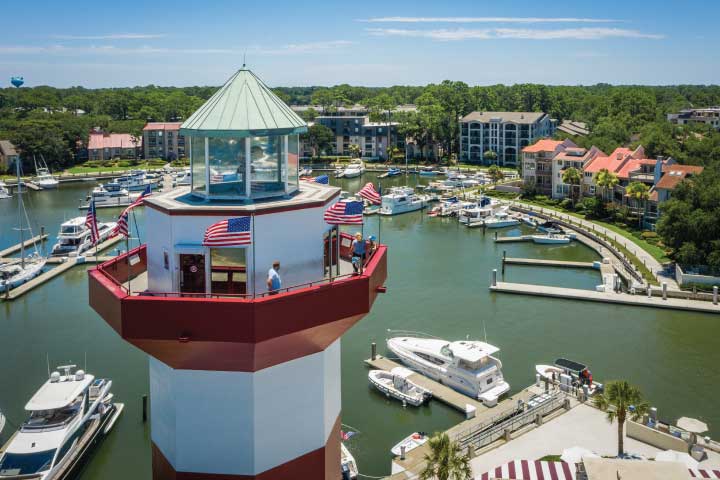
{"points": [[20, 212]]}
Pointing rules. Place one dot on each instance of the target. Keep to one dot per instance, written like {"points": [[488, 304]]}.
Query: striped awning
{"points": [[704, 473], [532, 470]]}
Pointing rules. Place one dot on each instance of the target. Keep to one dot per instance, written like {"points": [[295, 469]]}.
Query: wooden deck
{"points": [[27, 243], [547, 263], [607, 297]]}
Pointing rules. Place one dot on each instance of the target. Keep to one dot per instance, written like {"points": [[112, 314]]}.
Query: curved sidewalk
{"points": [[650, 262]]}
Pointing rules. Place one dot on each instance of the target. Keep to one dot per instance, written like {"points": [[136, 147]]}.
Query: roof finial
{"points": [[244, 53]]}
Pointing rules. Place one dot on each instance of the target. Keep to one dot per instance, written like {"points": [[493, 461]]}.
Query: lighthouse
{"points": [[244, 365]]}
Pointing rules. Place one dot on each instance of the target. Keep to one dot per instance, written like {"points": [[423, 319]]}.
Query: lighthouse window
{"points": [[293, 162], [227, 166], [197, 160], [266, 165], [228, 271]]}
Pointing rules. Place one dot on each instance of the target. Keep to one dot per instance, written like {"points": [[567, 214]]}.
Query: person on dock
{"points": [[358, 253], [273, 279]]}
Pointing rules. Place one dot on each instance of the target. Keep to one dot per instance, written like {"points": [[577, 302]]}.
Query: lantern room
{"points": [[248, 156]]}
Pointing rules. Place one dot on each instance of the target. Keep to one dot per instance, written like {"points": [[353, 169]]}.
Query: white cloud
{"points": [[485, 20], [113, 36], [583, 33]]}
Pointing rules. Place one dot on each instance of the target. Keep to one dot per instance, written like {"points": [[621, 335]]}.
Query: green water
{"points": [[438, 278]]}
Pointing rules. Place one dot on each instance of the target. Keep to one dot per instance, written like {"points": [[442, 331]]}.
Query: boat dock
{"points": [[517, 238], [12, 187], [549, 263], [27, 243], [63, 264], [607, 297]]}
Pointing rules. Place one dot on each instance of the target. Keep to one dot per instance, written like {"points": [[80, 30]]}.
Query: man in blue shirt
{"points": [[273, 279], [358, 253]]}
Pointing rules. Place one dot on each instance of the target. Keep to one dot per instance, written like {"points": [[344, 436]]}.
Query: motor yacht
{"points": [[396, 384], [355, 169], [501, 219], [475, 214], [43, 178], [74, 237], [183, 178], [70, 413], [348, 466], [449, 207], [401, 200], [136, 181], [551, 238], [109, 195], [4, 192], [550, 227], [466, 366]]}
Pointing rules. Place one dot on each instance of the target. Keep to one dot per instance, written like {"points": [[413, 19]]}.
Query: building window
{"points": [[227, 166], [266, 164], [228, 271], [197, 163]]}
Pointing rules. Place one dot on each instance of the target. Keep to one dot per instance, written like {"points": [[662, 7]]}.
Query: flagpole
{"points": [[254, 290], [337, 249], [378, 214], [127, 259], [137, 230]]}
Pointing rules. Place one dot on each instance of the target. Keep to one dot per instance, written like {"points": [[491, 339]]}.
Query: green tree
{"points": [[621, 400], [445, 460], [490, 155], [354, 150], [319, 137], [606, 180], [495, 173], [324, 98], [381, 108], [573, 177], [640, 193]]}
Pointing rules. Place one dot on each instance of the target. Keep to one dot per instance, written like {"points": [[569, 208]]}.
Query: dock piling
{"points": [[373, 350], [494, 277], [664, 290], [715, 295], [144, 408], [649, 290], [496, 235], [402, 452]]}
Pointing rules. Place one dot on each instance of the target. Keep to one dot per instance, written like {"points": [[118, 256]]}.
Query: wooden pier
{"points": [[539, 262], [606, 297], [27, 243]]}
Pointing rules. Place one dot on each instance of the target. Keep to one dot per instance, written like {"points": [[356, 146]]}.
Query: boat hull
{"points": [[502, 224]]}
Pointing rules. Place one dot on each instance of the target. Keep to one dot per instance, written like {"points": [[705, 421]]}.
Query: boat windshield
{"points": [[69, 229], [40, 419], [26, 463]]}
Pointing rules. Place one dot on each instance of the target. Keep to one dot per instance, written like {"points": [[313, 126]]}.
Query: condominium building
{"points": [[537, 166], [163, 140], [505, 133], [106, 146], [577, 158], [371, 137], [709, 116]]}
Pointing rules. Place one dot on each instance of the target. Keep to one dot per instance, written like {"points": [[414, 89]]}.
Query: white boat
{"points": [[475, 214], [348, 465], [43, 178], [466, 366], [355, 169], [74, 237], [401, 200], [109, 195], [16, 273], [2, 422], [4, 192], [395, 384], [551, 238], [501, 219], [136, 181], [411, 442], [550, 227], [69, 414], [305, 172], [548, 371]]}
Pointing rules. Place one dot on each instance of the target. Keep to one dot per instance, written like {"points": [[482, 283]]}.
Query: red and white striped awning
{"points": [[704, 473], [532, 470]]}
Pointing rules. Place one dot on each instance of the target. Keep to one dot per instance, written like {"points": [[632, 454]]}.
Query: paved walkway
{"points": [[652, 264], [582, 426]]}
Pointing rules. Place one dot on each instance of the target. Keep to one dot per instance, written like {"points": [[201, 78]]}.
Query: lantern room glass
{"points": [[293, 162], [266, 165], [198, 166], [226, 161]]}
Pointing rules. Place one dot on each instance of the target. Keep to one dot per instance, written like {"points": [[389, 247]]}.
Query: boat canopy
{"points": [[570, 365], [471, 351], [58, 394]]}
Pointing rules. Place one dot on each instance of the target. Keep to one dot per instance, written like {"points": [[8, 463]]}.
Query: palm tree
{"points": [[391, 153], [445, 461], [354, 150], [572, 177], [639, 192], [606, 180], [619, 400], [495, 173]]}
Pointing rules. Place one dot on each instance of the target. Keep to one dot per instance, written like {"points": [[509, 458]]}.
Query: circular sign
{"points": [[193, 269]]}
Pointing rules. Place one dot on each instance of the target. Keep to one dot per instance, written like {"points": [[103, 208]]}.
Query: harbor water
{"points": [[438, 277]]}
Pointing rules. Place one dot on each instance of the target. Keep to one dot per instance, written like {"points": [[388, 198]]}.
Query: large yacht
{"points": [[401, 200], [466, 366], [476, 214], [111, 194], [501, 219], [74, 236], [68, 415], [43, 178], [136, 181]]}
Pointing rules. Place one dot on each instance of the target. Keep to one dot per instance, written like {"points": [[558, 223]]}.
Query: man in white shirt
{"points": [[273, 279]]}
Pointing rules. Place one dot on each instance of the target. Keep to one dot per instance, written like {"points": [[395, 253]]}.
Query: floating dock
{"points": [[27, 243], [549, 263], [606, 297], [517, 238]]}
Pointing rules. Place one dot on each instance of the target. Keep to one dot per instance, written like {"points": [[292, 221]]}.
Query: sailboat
{"points": [[22, 270], [43, 178]]}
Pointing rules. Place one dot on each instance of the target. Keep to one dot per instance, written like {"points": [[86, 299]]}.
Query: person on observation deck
{"points": [[358, 253], [273, 278]]}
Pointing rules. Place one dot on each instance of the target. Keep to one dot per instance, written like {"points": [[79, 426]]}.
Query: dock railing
{"points": [[494, 429]]}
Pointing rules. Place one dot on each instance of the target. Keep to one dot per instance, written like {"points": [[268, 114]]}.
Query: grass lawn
{"points": [[83, 169]]}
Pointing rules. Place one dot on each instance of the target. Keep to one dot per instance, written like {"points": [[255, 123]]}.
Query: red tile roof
{"points": [[633, 164], [112, 140], [542, 146], [162, 126], [674, 174], [613, 162]]}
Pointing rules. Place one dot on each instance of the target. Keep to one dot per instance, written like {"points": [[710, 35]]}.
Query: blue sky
{"points": [[367, 42]]}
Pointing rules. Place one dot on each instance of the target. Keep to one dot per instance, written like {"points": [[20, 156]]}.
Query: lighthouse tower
{"points": [[244, 382]]}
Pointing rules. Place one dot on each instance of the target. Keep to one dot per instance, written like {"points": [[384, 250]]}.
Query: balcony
{"points": [[232, 332]]}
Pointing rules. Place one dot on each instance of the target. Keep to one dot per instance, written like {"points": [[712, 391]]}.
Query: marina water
{"points": [[438, 277]]}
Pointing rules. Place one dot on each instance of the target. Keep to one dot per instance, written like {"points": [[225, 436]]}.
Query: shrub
{"points": [[566, 204], [124, 163], [647, 234]]}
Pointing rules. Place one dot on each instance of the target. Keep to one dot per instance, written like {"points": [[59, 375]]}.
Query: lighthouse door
{"points": [[192, 267]]}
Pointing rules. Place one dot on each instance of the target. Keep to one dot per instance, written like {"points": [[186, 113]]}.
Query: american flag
{"points": [[345, 436], [369, 193], [345, 213], [323, 179], [227, 233], [122, 224], [91, 223]]}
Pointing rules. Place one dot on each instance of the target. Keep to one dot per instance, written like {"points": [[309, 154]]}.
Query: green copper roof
{"points": [[244, 106]]}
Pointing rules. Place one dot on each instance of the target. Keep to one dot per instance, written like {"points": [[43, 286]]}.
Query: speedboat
{"points": [[392, 172], [355, 169], [401, 200], [501, 219], [466, 366], [396, 384], [16, 273], [411, 442], [4, 192], [551, 238], [428, 172], [74, 236], [576, 374], [183, 178], [348, 466], [550, 227], [68, 415], [109, 195], [448, 208]]}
